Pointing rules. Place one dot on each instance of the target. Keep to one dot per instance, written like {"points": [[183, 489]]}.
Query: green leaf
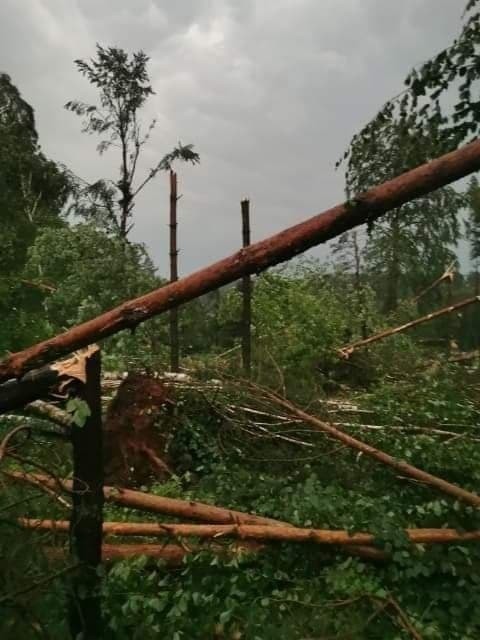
{"points": [[79, 411]]}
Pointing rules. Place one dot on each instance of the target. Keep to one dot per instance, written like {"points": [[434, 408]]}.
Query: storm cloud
{"points": [[270, 92]]}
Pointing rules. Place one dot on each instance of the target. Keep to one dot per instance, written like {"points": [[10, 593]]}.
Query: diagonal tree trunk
{"points": [[347, 350], [366, 207]]}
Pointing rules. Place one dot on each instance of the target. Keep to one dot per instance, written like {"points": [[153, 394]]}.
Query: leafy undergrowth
{"points": [[303, 591], [224, 456]]}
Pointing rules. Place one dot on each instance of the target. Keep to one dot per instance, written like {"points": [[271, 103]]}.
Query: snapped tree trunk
{"points": [[448, 274], [347, 350], [174, 319], [85, 613], [246, 296]]}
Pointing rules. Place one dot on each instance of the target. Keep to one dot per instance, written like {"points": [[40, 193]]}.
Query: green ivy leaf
{"points": [[79, 411]]}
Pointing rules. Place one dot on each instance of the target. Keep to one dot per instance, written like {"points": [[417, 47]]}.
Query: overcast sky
{"points": [[269, 91]]}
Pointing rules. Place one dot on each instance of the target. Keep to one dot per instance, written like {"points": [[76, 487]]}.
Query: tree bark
{"points": [[246, 296], [85, 527], [50, 412], [366, 207], [174, 318], [262, 532]]}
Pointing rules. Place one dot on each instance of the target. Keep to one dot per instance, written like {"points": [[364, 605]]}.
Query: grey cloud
{"points": [[270, 92]]}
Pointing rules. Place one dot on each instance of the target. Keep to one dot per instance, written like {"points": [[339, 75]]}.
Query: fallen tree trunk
{"points": [[347, 351], [50, 412], [366, 207], [399, 465], [171, 554], [154, 504], [179, 508], [259, 532], [15, 394]]}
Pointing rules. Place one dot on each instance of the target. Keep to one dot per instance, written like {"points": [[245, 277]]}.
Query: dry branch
{"points": [[10, 435], [259, 532], [253, 259], [347, 351]]}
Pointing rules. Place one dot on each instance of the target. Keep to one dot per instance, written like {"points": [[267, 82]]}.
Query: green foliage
{"points": [[79, 410], [124, 87], [229, 447], [300, 315], [409, 247], [92, 272], [33, 191], [455, 69]]}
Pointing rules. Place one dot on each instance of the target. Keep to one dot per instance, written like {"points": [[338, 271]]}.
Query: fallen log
{"points": [[50, 412], [259, 532], [15, 394], [154, 504], [366, 552], [400, 466], [39, 383], [365, 207], [171, 506], [171, 554], [347, 351]]}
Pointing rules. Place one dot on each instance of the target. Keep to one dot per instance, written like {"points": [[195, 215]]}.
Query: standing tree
{"points": [[124, 87], [33, 192], [349, 255], [473, 228], [173, 224], [246, 295], [410, 245], [437, 111]]}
